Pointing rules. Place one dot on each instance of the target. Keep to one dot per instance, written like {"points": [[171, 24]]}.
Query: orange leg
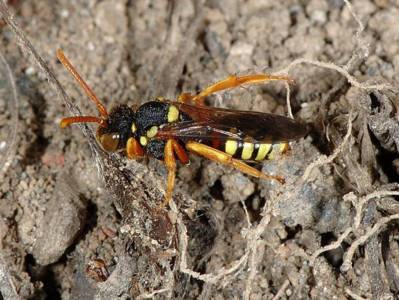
{"points": [[226, 159], [180, 152], [171, 148], [230, 82], [133, 149]]}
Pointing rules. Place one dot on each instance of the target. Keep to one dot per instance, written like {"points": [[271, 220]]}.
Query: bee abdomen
{"points": [[254, 151]]}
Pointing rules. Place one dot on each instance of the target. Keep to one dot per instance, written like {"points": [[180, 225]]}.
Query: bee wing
{"points": [[198, 131], [211, 122]]}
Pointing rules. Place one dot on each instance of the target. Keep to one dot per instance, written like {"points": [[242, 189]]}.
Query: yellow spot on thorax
{"points": [[152, 132], [173, 113], [134, 128], [143, 140]]}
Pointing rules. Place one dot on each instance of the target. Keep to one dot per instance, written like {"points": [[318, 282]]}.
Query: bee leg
{"points": [[133, 149], [227, 83], [226, 159], [171, 148], [180, 152], [185, 98], [170, 163]]}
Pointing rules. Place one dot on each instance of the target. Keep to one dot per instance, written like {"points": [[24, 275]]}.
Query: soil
{"points": [[78, 223]]}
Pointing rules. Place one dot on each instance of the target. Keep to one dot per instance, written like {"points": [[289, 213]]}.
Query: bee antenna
{"points": [[83, 119], [71, 69]]}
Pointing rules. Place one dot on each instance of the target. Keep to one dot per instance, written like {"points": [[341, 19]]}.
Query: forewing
{"points": [[234, 124], [198, 131]]}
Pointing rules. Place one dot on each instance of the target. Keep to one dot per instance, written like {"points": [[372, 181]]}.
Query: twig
{"points": [[352, 80], [7, 286], [372, 251], [353, 295], [183, 241], [6, 157], [211, 277], [281, 290], [288, 100], [359, 23], [359, 206], [347, 264], [257, 251], [331, 246], [244, 207], [151, 295], [255, 248], [323, 160]]}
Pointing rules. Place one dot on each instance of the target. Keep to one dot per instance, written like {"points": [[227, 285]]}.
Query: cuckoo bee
{"points": [[167, 130]]}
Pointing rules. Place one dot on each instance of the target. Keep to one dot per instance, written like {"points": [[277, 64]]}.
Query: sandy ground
{"points": [[76, 223]]}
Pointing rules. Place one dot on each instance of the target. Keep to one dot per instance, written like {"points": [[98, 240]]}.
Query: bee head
{"points": [[118, 129], [114, 127]]}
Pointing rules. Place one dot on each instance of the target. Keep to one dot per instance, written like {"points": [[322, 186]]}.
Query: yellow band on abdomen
{"points": [[231, 147], [263, 151], [247, 150], [277, 149]]}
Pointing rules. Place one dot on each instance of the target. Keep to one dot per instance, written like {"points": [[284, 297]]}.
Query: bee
{"points": [[167, 130]]}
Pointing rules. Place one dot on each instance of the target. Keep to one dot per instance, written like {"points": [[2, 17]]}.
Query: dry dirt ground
{"points": [[76, 223]]}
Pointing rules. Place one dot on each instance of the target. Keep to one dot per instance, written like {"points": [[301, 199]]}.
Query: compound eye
{"points": [[110, 141]]}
